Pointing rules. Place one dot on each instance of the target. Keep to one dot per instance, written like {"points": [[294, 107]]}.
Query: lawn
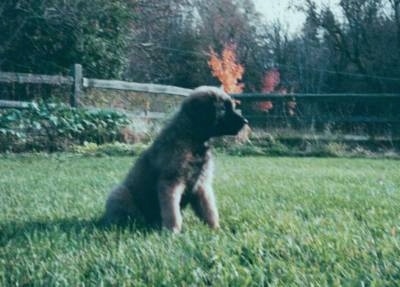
{"points": [[285, 222]]}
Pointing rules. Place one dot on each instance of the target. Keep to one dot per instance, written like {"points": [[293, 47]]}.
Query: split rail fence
{"points": [[366, 114], [78, 83]]}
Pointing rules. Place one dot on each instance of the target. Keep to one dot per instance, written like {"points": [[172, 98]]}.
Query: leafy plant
{"points": [[49, 36], [109, 149], [56, 126]]}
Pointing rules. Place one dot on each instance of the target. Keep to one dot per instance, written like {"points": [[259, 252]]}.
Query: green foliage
{"points": [[109, 149], [263, 144], [285, 222], [54, 127], [48, 36], [244, 150], [355, 52]]}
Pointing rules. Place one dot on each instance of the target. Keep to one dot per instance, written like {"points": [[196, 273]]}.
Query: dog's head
{"points": [[212, 112]]}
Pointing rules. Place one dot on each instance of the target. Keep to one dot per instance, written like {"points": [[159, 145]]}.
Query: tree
{"points": [[48, 36], [166, 48], [172, 40], [230, 21], [226, 68], [310, 58], [362, 50]]}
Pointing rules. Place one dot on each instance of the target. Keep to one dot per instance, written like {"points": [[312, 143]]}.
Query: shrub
{"points": [[52, 127], [109, 149]]}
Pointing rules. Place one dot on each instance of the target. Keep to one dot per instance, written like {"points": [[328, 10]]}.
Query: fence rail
{"points": [[77, 83], [137, 87], [25, 78], [370, 114], [348, 112], [325, 96], [14, 104]]}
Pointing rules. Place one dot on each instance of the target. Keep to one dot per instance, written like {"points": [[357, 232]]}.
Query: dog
{"points": [[177, 169]]}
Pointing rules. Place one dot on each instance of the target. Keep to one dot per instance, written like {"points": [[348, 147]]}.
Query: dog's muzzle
{"points": [[231, 124]]}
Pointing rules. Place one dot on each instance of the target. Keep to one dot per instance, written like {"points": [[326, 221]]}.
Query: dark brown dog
{"points": [[177, 169]]}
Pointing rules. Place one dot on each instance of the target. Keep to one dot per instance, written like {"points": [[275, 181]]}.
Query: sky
{"points": [[279, 10]]}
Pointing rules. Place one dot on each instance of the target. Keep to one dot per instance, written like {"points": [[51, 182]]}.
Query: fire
{"points": [[226, 68]]}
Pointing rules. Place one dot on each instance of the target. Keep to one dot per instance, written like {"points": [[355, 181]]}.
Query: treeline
{"points": [[169, 42]]}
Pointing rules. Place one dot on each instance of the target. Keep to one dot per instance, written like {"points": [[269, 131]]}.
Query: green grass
{"points": [[285, 222]]}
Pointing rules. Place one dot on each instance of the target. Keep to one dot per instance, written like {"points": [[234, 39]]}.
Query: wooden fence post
{"points": [[76, 85]]}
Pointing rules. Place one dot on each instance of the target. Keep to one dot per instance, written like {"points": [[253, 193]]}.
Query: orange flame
{"points": [[226, 69]]}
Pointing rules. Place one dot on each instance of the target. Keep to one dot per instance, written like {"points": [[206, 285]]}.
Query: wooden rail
{"points": [[74, 81], [77, 83], [22, 78], [14, 104], [137, 87], [310, 109], [343, 96]]}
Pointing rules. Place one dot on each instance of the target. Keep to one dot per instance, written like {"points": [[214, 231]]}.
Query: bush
{"points": [[53, 127], [55, 34], [109, 149]]}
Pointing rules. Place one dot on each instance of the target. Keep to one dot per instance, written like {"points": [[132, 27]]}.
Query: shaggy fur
{"points": [[177, 169]]}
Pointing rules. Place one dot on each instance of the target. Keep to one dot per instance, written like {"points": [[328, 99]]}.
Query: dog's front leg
{"points": [[169, 195], [205, 207]]}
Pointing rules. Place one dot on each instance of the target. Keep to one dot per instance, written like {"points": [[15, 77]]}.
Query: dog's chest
{"points": [[195, 167]]}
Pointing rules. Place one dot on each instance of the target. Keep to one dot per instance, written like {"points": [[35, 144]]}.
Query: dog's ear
{"points": [[201, 110]]}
